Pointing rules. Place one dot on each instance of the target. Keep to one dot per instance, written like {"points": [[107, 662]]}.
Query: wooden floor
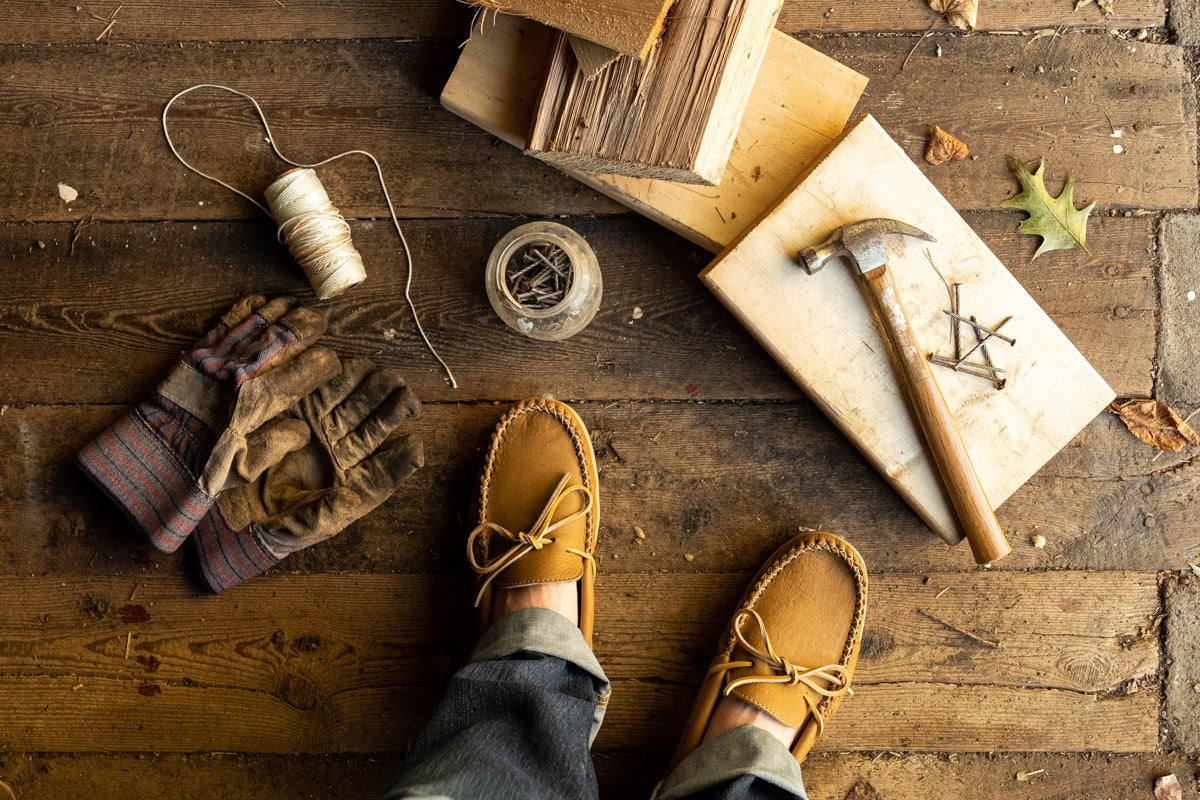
{"points": [[119, 679]]}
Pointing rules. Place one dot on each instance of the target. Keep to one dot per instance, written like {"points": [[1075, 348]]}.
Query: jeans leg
{"points": [[745, 763], [517, 720]]}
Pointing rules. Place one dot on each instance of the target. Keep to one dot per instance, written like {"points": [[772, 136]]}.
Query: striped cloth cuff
{"points": [[147, 480], [228, 557]]}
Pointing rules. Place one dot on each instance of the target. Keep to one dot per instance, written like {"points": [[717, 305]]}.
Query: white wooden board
{"points": [[818, 327]]}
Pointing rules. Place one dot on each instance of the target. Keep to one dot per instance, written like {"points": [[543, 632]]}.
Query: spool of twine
{"points": [[315, 232]]}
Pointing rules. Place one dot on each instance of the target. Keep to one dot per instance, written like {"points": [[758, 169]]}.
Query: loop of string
{"points": [[526, 542], [315, 232], [828, 681]]}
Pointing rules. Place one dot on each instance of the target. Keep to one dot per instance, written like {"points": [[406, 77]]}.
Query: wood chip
{"points": [[1038, 541], [941, 147], [69, 194]]}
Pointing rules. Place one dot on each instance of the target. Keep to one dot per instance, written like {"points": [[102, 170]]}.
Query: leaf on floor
{"points": [[1105, 6], [1167, 788], [959, 13], [863, 791], [1055, 219], [1155, 424], [941, 147]]}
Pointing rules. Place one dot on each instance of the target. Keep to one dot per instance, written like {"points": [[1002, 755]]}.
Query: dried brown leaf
{"points": [[959, 13], [1167, 788], [1106, 6], [1155, 424], [863, 791], [941, 147]]}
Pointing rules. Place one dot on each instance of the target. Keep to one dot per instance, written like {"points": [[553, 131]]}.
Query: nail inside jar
{"points": [[538, 275]]}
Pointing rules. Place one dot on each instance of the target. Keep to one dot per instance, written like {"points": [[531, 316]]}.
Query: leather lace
{"points": [[536, 538], [829, 681]]}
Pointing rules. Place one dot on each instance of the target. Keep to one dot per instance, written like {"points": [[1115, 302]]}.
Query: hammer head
{"points": [[860, 243]]}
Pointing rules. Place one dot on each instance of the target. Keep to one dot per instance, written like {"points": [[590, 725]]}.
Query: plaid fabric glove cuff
{"points": [[138, 468], [228, 557]]}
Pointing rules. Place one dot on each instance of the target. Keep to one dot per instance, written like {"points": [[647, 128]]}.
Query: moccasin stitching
{"points": [[581, 451], [838, 548]]}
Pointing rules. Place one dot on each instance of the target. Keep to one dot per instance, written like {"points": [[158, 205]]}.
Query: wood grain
{"points": [[627, 26], [634, 120], [92, 122], [162, 22], [725, 482], [353, 663], [821, 331], [1057, 113], [107, 144], [621, 773], [136, 294]]}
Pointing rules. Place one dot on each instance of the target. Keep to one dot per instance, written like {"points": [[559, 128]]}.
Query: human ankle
{"points": [[559, 596], [733, 712]]}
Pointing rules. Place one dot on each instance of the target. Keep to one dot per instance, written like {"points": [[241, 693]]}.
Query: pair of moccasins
{"points": [[791, 646]]}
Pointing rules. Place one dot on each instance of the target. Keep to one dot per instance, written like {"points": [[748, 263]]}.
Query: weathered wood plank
{"points": [[725, 482], [1056, 630], [161, 22], [92, 122], [989, 92], [1014, 109], [622, 773], [865, 16], [351, 663], [102, 136], [165, 22], [135, 295]]}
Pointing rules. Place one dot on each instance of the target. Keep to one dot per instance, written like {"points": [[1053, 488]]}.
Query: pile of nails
{"points": [[538, 275]]}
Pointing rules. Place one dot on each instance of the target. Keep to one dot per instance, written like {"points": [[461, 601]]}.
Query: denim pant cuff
{"points": [[742, 751], [540, 630]]}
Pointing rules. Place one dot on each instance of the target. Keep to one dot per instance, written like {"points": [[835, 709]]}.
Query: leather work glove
{"points": [[214, 421], [343, 473]]}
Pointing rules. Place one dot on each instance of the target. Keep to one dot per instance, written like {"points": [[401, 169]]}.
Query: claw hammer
{"points": [[861, 244]]}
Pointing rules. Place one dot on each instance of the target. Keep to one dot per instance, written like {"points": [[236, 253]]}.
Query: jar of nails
{"points": [[544, 281]]}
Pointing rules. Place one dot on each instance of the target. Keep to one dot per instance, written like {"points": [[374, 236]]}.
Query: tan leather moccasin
{"points": [[791, 646], [538, 507]]}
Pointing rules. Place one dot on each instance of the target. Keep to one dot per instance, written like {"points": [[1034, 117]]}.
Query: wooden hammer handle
{"points": [[987, 539]]}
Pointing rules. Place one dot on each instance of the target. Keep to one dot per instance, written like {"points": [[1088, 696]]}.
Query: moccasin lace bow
{"points": [[525, 543], [828, 681]]}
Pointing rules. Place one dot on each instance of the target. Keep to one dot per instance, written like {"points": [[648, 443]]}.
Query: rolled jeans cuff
{"points": [[725, 758], [540, 630]]}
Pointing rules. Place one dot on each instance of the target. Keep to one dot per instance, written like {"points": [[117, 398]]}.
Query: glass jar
{"points": [[565, 301]]}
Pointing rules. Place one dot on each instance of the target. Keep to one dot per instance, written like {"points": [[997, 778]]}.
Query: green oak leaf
{"points": [[1055, 219]]}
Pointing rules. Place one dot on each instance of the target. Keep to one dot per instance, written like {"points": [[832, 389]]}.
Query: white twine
{"points": [[315, 232], [313, 229]]}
